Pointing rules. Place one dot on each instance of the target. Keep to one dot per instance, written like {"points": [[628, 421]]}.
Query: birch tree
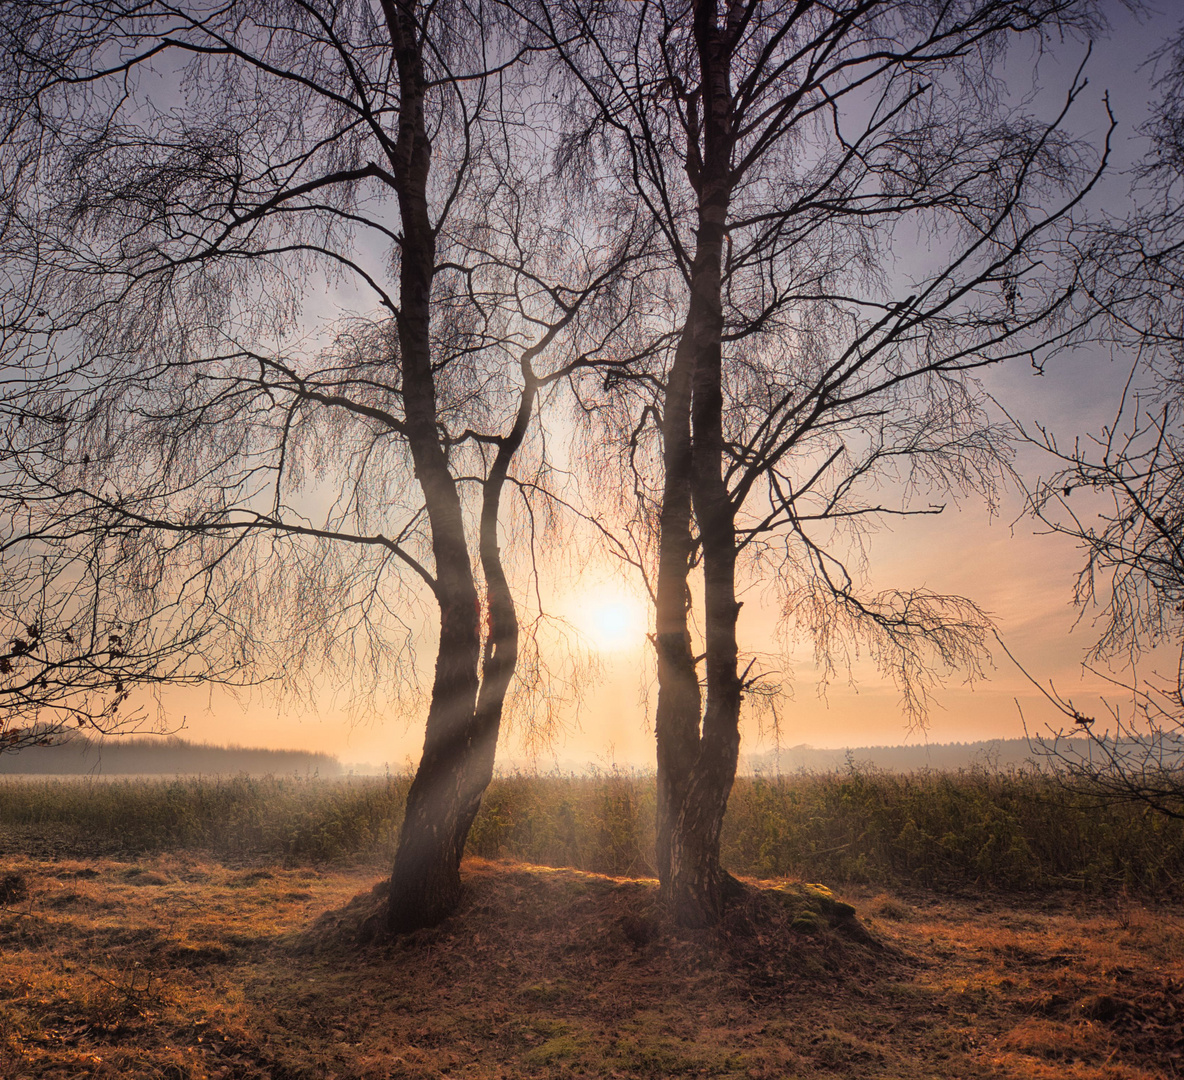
{"points": [[796, 160], [296, 473]]}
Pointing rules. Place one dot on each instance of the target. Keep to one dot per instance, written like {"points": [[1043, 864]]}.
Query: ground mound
{"points": [[773, 934]]}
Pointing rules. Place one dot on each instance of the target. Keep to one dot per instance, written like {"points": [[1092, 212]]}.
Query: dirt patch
{"points": [[13, 887]]}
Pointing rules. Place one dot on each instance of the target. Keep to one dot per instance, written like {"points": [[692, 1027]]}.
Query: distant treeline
{"points": [[941, 757], [172, 756], [162, 756]]}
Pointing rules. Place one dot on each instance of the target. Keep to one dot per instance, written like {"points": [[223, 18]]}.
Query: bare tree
{"points": [[1119, 492], [787, 154], [74, 647], [181, 179], [78, 631]]}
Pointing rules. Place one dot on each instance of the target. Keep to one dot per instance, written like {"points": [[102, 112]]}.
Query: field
{"points": [[185, 950]]}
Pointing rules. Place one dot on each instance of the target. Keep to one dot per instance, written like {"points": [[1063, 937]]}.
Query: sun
{"points": [[611, 619]]}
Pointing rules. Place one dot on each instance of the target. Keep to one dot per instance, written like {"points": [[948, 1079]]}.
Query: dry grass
{"points": [[177, 966], [947, 831]]}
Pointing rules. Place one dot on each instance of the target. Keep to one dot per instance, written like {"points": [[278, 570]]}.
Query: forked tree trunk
{"points": [[461, 744], [500, 655], [464, 715]]}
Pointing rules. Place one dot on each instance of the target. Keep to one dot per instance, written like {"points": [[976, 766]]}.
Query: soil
{"points": [[179, 966]]}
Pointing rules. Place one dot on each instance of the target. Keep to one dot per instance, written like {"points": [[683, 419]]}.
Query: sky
{"points": [[1000, 560]]}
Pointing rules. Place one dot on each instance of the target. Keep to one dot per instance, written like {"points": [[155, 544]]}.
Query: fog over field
{"points": [[173, 756]]}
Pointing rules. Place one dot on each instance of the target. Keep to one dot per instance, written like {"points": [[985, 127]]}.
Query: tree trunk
{"points": [[698, 884], [456, 769], [500, 655], [701, 766], [425, 882], [676, 725]]}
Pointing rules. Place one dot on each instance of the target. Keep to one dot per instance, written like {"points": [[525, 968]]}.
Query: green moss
{"points": [[565, 1047], [547, 992], [808, 922], [652, 1055]]}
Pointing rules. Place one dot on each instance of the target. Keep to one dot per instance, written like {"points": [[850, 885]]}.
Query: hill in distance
{"points": [[147, 755], [986, 753]]}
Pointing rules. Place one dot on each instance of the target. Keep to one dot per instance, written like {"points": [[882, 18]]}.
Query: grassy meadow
{"points": [[969, 925]]}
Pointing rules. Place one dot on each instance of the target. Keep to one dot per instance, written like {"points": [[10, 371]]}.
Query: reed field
{"points": [[1007, 830]]}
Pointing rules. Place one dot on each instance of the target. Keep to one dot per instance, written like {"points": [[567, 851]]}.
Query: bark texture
{"points": [[697, 752], [465, 711], [679, 703]]}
